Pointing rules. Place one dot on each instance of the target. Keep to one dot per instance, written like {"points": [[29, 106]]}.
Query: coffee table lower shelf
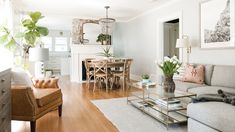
{"points": [[162, 115]]}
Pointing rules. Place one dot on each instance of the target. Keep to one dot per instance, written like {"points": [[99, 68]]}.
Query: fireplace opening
{"points": [[84, 72]]}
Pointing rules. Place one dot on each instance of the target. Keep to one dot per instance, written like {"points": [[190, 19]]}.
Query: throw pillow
{"points": [[194, 74], [21, 77], [46, 83]]}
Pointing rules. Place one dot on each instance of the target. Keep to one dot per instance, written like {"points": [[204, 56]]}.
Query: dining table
{"points": [[113, 64]]}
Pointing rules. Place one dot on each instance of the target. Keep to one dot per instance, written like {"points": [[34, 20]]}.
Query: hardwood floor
{"points": [[79, 114]]}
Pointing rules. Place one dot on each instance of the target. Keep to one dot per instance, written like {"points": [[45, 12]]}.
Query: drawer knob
{"points": [[3, 105], [3, 91], [2, 80]]}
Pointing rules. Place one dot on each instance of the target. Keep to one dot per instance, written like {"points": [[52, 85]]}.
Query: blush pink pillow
{"points": [[194, 74]]}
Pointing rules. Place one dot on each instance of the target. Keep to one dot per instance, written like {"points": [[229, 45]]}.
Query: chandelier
{"points": [[107, 24]]}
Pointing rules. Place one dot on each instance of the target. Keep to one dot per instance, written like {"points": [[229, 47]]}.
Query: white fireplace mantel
{"points": [[78, 54]]}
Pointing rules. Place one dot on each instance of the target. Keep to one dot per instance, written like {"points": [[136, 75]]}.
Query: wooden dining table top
{"points": [[110, 62]]}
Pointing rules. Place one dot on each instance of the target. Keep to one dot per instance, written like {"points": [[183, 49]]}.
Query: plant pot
{"points": [[169, 84], [104, 42], [145, 80]]}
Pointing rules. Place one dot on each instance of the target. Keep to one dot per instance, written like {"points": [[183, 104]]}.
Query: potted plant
{"points": [[106, 52], [31, 31], [145, 78], [104, 39], [30, 34], [169, 67]]}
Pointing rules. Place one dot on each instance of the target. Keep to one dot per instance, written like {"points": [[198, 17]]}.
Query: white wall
{"points": [[139, 37]]}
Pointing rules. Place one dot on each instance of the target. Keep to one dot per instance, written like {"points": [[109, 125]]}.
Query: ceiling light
{"points": [[107, 24]]}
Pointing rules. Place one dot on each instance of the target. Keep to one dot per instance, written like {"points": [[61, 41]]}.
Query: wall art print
{"points": [[217, 24]]}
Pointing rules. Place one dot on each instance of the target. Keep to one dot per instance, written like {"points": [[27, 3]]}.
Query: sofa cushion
{"points": [[209, 90], [46, 96], [223, 76], [184, 86], [217, 115], [208, 73]]}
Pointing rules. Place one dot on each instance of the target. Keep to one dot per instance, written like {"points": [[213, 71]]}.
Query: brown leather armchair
{"points": [[29, 104]]}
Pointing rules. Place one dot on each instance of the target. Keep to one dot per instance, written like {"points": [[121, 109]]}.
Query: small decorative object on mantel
{"points": [[169, 67], [104, 39], [145, 78]]}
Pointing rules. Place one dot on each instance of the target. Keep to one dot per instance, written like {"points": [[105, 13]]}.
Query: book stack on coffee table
{"points": [[169, 104]]}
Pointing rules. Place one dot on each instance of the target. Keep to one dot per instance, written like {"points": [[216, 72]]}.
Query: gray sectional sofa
{"points": [[211, 116]]}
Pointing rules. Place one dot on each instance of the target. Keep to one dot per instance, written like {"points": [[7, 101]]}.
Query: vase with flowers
{"points": [[169, 67]]}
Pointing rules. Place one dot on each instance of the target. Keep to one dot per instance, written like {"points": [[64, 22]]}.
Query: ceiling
{"points": [[59, 13]]}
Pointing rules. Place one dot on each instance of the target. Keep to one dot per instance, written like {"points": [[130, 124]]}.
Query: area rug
{"points": [[129, 119]]}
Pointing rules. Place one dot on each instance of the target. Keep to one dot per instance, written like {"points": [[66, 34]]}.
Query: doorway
{"points": [[170, 34]]}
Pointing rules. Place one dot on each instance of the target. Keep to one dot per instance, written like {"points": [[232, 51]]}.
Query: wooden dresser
{"points": [[5, 100]]}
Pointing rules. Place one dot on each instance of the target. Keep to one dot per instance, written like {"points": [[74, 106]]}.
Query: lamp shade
{"points": [[38, 54], [182, 43]]}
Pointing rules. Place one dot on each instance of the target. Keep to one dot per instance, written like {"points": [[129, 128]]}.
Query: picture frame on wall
{"points": [[217, 24]]}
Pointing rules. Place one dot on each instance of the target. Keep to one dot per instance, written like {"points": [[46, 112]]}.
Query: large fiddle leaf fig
{"points": [[30, 34], [6, 39], [31, 30]]}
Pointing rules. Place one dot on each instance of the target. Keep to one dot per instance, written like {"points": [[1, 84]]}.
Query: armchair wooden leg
{"points": [[60, 110], [33, 126]]}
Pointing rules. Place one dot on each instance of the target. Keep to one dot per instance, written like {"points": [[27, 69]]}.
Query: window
{"points": [[47, 41], [61, 44]]}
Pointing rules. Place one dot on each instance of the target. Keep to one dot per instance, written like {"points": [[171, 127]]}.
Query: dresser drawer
{"points": [[4, 92], [6, 125], [4, 102], [5, 116], [5, 81]]}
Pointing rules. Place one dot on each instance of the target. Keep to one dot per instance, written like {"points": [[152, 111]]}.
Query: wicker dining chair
{"points": [[101, 73], [117, 71], [89, 71], [123, 72]]}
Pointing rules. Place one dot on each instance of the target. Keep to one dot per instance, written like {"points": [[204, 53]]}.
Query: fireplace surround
{"points": [[78, 54]]}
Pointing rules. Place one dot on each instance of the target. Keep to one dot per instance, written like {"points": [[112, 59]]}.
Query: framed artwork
{"points": [[217, 24]]}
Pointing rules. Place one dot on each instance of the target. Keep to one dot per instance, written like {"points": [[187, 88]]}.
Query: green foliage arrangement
{"points": [[145, 76], [106, 52], [6, 39], [170, 66], [31, 30], [30, 34], [103, 37]]}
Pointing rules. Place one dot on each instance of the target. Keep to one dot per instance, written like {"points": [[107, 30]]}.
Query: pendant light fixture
{"points": [[107, 24]]}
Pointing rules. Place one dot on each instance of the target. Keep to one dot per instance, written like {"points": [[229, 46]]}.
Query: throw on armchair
{"points": [[30, 103]]}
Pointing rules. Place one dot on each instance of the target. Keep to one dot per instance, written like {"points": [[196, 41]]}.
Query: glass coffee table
{"points": [[167, 108]]}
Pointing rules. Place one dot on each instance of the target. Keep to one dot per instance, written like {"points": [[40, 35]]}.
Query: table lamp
{"points": [[39, 55], [184, 43]]}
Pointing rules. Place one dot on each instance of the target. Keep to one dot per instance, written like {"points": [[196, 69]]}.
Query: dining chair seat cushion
{"points": [[118, 74], [116, 71], [46, 96], [101, 74]]}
